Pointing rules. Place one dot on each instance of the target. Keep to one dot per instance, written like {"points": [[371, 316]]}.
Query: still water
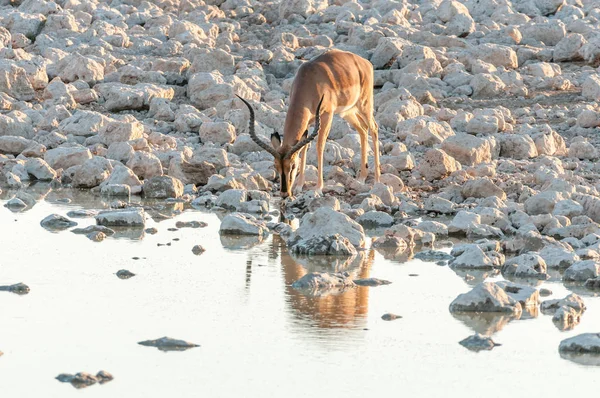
{"points": [[258, 337]]}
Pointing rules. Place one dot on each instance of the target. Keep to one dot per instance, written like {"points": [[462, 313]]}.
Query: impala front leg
{"points": [[299, 184], [326, 119]]}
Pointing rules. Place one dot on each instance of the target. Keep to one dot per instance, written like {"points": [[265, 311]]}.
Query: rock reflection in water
{"points": [[581, 359], [237, 242], [474, 277], [346, 309], [485, 323]]}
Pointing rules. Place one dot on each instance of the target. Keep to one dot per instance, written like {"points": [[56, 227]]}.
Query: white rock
{"points": [[39, 169], [242, 224], [558, 257], [78, 67], [67, 156], [217, 132], [463, 221], [439, 205], [527, 296], [583, 150], [163, 187], [437, 164], [327, 222], [375, 219], [83, 123], [543, 202], [14, 81], [581, 271], [526, 266], [467, 149], [517, 147], [486, 297], [14, 145], [92, 172], [145, 165], [323, 281], [586, 343], [591, 88], [120, 131], [122, 175], [482, 188], [121, 151], [121, 218]]}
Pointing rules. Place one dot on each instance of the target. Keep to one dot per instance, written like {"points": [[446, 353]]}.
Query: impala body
{"points": [[336, 82]]}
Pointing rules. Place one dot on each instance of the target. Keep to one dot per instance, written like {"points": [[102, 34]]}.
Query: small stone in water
{"points": [[176, 239], [469, 277], [104, 377], [15, 203], [168, 344], [173, 229], [151, 231], [96, 236], [191, 224], [197, 250], [413, 274], [17, 288], [80, 380], [125, 274], [371, 282], [55, 222], [82, 213], [545, 292], [390, 317], [478, 342]]}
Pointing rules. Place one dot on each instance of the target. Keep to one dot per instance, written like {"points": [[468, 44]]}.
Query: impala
{"points": [[336, 82]]}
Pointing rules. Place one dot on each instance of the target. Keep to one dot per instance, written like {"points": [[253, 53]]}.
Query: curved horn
{"points": [[311, 137], [252, 132]]}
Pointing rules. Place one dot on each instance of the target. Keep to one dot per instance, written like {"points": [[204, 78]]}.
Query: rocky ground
{"points": [[487, 110]]}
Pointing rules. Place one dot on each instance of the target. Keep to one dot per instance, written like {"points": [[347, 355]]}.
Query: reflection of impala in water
{"points": [[336, 310]]}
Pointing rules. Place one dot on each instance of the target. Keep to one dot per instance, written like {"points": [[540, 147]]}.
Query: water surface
{"points": [[258, 336]]}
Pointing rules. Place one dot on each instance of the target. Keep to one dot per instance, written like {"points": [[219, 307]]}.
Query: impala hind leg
{"points": [[326, 119], [370, 123], [362, 131], [299, 183], [374, 128]]}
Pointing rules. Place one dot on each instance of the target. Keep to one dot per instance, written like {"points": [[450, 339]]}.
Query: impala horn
{"points": [[311, 137], [252, 132]]}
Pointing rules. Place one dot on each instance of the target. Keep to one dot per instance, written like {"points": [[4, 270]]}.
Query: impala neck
{"points": [[296, 123]]}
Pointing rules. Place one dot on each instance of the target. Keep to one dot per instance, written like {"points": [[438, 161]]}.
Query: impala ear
{"points": [[276, 140]]}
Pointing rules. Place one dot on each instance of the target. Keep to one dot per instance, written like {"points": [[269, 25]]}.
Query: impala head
{"points": [[286, 157]]}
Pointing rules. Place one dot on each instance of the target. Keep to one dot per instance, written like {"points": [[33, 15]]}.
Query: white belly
{"points": [[343, 109]]}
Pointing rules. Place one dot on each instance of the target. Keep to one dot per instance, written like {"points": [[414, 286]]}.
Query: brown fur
{"points": [[345, 81]]}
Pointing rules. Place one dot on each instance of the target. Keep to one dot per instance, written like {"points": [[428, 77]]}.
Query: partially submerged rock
{"points": [[83, 379], [390, 317], [321, 281], [478, 342], [486, 297], [122, 218], [242, 224], [198, 250], [56, 222], [125, 274], [371, 282], [168, 344], [18, 288], [586, 343]]}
